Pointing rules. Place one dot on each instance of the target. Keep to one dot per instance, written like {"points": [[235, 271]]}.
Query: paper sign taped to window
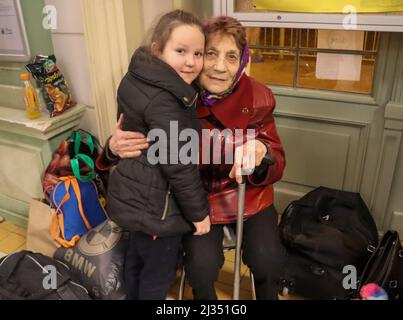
{"points": [[335, 66]]}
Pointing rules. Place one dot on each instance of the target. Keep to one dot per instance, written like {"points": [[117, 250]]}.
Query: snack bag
{"points": [[54, 87]]}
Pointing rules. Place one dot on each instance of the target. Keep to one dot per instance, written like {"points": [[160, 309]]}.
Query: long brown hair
{"points": [[166, 24]]}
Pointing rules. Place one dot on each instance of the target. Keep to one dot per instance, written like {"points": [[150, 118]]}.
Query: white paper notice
{"points": [[333, 66], [10, 38]]}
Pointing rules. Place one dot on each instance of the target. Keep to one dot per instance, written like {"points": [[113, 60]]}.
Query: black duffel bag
{"points": [[385, 266], [97, 261], [24, 275], [323, 232]]}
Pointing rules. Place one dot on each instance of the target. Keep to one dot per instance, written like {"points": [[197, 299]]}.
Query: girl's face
{"points": [[184, 52], [221, 63]]}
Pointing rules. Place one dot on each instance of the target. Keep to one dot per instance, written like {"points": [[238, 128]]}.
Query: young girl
{"points": [[158, 203]]}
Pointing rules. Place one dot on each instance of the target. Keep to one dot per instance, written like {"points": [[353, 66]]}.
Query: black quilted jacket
{"points": [[157, 199]]}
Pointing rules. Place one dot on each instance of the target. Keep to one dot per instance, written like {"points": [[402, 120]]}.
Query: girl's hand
{"points": [[126, 144], [202, 227], [247, 158]]}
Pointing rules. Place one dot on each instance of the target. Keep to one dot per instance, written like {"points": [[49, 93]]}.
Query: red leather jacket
{"points": [[250, 106]]}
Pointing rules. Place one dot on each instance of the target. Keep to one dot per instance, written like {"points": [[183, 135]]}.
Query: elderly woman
{"points": [[229, 100]]}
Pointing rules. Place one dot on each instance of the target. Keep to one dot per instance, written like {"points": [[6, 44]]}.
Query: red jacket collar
{"points": [[235, 110]]}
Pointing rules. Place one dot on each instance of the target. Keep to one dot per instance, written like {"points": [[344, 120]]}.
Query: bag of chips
{"points": [[55, 90]]}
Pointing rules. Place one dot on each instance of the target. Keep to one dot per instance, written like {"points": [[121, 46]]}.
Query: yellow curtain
{"points": [[334, 6]]}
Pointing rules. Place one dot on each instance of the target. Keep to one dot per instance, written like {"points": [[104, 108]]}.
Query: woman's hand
{"points": [[202, 227], [247, 158], [126, 144]]}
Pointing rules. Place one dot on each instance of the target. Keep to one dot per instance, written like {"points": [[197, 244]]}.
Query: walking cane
{"points": [[239, 231]]}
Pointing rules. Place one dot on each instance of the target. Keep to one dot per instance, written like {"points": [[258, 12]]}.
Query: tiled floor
{"points": [[13, 238]]}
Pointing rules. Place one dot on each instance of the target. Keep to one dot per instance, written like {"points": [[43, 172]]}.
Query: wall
{"points": [[135, 24], [153, 9], [396, 200], [203, 9], [389, 207]]}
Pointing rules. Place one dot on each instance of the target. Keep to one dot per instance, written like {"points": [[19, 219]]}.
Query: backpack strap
{"points": [[66, 293], [76, 167], [57, 226], [77, 191], [77, 138]]}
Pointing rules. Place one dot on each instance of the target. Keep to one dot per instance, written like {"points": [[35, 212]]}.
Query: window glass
{"points": [[308, 76], [337, 60], [273, 66]]}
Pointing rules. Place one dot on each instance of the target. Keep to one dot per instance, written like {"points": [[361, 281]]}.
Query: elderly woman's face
{"points": [[221, 63]]}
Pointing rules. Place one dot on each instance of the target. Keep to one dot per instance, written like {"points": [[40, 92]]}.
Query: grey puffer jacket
{"points": [[157, 199]]}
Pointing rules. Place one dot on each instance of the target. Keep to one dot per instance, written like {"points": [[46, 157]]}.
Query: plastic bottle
{"points": [[32, 109]]}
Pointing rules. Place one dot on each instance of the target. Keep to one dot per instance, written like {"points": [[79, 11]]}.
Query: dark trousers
{"points": [[262, 252], [150, 266]]}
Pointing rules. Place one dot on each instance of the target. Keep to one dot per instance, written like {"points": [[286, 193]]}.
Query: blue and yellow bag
{"points": [[77, 210]]}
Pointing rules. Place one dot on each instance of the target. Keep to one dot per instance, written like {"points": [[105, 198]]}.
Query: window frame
{"points": [[297, 51], [365, 22]]}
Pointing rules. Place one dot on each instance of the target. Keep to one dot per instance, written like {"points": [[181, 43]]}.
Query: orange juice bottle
{"points": [[31, 99]]}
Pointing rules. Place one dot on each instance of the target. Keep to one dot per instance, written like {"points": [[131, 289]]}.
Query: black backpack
{"points": [[22, 277], [323, 232], [385, 267]]}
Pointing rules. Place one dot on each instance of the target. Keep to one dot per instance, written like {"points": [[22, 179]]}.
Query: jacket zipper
{"points": [[194, 99], [166, 205]]}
